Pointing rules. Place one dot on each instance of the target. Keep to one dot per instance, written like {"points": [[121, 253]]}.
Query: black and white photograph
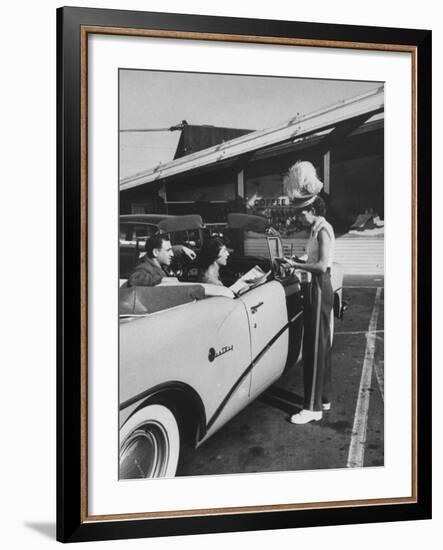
{"points": [[251, 274], [219, 313]]}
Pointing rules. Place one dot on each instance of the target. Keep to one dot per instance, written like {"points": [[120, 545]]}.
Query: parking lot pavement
{"points": [[261, 439], [361, 281]]}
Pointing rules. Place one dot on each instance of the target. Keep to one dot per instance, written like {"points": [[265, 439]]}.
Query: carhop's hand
{"points": [[284, 261], [284, 267]]}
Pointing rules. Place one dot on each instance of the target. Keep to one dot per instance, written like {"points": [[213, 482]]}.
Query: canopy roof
{"points": [[329, 119]]}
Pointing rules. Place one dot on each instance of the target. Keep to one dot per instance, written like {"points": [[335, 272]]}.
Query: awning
{"points": [[359, 108]]}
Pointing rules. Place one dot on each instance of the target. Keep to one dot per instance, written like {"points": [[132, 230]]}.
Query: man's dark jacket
{"points": [[149, 273], [146, 273]]}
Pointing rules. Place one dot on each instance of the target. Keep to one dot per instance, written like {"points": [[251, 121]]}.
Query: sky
{"points": [[160, 99]]}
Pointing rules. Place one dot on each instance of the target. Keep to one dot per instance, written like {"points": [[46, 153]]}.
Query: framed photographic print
{"points": [[243, 244]]}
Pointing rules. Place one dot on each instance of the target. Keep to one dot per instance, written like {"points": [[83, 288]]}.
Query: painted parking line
{"points": [[379, 375], [358, 332], [358, 439], [361, 287], [380, 371]]}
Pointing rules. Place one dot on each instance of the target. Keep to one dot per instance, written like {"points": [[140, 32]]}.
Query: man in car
{"points": [[159, 254]]}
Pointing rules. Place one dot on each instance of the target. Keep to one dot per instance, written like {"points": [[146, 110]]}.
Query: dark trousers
{"points": [[318, 304]]}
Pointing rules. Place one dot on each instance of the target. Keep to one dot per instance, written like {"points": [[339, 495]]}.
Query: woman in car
{"points": [[212, 256], [302, 187]]}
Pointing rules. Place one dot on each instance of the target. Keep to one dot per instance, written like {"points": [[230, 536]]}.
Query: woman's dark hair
{"points": [[209, 252], [318, 207], [155, 241]]}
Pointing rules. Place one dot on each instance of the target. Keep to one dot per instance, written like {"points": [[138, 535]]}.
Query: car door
{"points": [[203, 345], [268, 322]]}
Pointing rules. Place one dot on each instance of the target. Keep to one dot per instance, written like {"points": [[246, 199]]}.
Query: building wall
{"points": [[356, 184], [356, 179]]}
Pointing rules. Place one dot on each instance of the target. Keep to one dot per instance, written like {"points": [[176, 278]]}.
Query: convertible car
{"points": [[193, 355]]}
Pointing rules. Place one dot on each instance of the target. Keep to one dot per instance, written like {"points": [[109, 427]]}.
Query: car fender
{"points": [[176, 345]]}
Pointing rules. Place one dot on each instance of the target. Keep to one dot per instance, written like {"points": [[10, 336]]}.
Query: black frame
{"points": [[71, 525]]}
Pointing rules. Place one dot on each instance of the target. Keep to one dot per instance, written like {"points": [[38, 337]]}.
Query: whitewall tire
{"points": [[149, 444]]}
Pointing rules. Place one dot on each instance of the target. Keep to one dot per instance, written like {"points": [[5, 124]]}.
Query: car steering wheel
{"points": [[279, 269], [282, 270]]}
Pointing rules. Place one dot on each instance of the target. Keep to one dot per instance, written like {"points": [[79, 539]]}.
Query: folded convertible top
{"points": [[138, 300]]}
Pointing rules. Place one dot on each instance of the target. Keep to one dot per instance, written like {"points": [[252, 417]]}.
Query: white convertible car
{"points": [[191, 359]]}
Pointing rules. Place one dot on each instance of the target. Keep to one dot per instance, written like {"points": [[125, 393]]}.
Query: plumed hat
{"points": [[302, 184]]}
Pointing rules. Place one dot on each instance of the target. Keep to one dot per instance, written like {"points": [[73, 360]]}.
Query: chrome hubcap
{"points": [[145, 452]]}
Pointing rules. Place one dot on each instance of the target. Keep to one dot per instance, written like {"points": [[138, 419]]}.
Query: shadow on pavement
{"points": [[283, 400]]}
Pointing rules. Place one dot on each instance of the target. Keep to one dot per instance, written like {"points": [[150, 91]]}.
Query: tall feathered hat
{"points": [[302, 184]]}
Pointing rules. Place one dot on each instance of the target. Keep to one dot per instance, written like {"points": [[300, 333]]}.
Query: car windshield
{"points": [[251, 244]]}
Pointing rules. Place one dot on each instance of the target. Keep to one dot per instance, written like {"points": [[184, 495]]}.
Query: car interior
{"points": [[262, 251]]}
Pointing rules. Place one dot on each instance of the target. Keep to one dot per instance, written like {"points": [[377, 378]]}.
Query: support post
{"points": [[241, 184], [327, 172], [240, 190]]}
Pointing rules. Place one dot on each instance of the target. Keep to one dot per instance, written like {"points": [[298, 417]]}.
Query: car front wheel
{"points": [[149, 444]]}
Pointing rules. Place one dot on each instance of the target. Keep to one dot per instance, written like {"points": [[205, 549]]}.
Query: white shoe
{"points": [[326, 406], [305, 416]]}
